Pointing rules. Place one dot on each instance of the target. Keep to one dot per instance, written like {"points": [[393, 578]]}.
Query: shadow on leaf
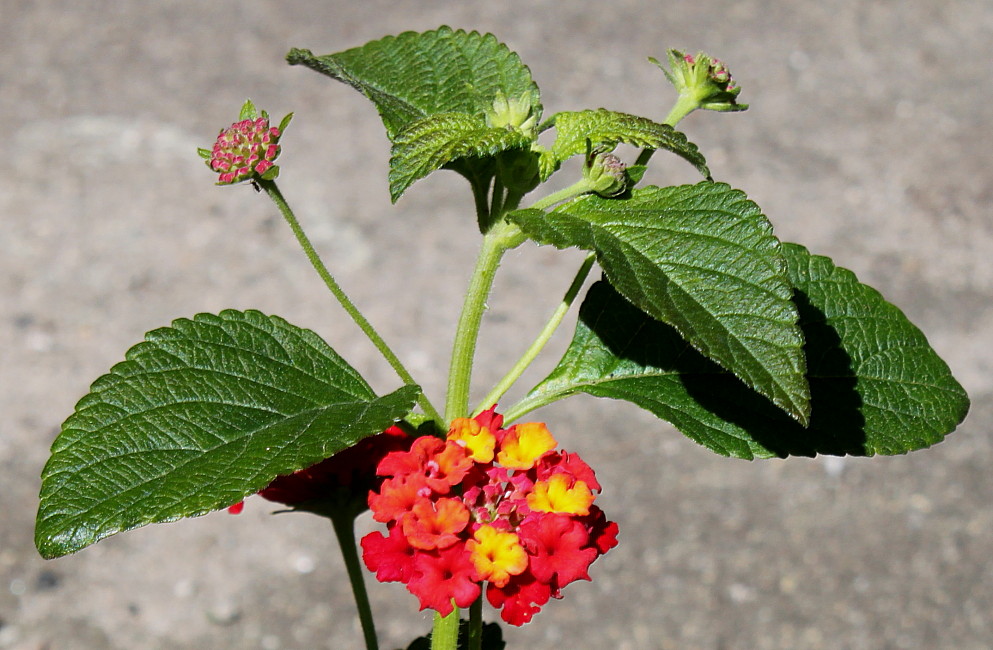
{"points": [[654, 367]]}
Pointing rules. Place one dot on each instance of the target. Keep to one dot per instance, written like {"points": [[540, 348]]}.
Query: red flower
{"points": [[562, 461], [390, 558], [520, 599], [443, 576], [395, 498], [558, 545], [603, 533]]}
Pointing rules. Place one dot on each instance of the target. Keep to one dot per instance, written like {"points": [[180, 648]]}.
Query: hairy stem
{"points": [[579, 187], [685, 105], [445, 634], [272, 190], [543, 337], [495, 243]]}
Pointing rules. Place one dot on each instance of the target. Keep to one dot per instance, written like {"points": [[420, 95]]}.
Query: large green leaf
{"points": [[605, 129], [200, 415], [876, 385], [703, 259], [438, 140], [413, 75]]}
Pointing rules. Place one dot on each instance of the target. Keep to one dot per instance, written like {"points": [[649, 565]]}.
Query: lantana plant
{"points": [[751, 347]]}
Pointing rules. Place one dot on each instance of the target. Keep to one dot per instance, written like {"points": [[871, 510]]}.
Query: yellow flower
{"points": [[497, 554], [524, 444], [559, 493]]}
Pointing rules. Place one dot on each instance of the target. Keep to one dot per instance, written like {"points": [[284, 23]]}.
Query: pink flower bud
{"points": [[247, 149]]}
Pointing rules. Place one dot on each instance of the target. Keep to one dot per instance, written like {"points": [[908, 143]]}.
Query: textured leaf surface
{"points": [[200, 415], [413, 75], [437, 140], [703, 259], [605, 129], [876, 385]]}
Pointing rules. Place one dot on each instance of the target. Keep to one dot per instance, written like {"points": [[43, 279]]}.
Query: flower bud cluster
{"points": [[487, 505], [247, 149], [704, 79], [244, 149]]}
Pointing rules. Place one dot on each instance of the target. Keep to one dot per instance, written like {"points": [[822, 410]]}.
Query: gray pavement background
{"points": [[868, 140]]}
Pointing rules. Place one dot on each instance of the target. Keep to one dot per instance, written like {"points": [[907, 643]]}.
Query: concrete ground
{"points": [[868, 140]]}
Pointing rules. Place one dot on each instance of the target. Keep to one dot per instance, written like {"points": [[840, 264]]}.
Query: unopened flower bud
{"points": [[606, 174], [512, 114], [247, 149], [705, 80]]}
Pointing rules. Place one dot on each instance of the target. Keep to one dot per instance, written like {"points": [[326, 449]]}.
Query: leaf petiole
{"points": [[543, 337], [495, 243], [581, 186], [685, 105]]}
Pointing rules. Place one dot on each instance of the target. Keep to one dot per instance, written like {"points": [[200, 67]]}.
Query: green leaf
{"points": [[200, 415], [413, 75], [605, 129], [438, 140], [703, 259], [876, 385]]}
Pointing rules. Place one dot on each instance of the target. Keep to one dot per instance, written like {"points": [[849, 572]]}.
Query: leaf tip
{"points": [[297, 55]]}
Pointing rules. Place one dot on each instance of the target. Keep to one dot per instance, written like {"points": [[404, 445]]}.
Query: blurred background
{"points": [[867, 140]]}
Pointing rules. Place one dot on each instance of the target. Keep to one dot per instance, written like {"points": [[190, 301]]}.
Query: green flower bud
{"points": [[704, 80], [606, 174]]}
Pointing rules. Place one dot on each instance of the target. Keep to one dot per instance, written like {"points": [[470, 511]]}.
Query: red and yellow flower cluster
{"points": [[487, 504]]}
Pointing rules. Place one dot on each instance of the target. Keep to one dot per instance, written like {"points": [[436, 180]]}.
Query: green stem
{"points": [[277, 197], [685, 105], [476, 624], [543, 337], [579, 187], [445, 634], [495, 243], [344, 530], [530, 403]]}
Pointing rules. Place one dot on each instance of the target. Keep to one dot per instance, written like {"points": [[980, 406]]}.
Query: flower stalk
{"points": [[344, 529], [541, 340], [501, 237], [272, 190], [445, 632]]}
